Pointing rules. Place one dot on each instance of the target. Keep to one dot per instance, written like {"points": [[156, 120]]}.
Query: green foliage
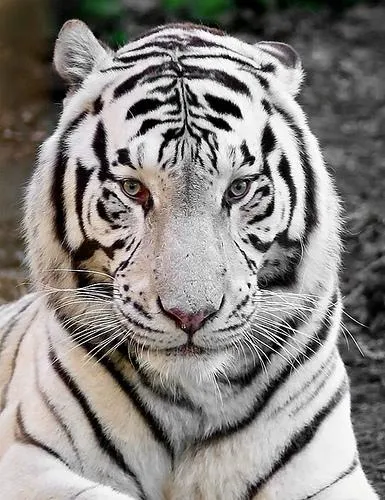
{"points": [[117, 38], [205, 10], [105, 17], [211, 10], [100, 8]]}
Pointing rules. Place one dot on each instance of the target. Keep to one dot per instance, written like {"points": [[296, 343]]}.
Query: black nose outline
{"points": [[189, 322]]}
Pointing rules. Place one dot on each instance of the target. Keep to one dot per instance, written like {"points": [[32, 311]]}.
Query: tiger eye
{"points": [[135, 190], [132, 187], [238, 189]]}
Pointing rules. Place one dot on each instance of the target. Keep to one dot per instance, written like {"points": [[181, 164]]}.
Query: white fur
{"points": [[189, 256]]}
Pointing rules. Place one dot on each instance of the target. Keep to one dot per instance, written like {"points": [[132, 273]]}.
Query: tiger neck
{"points": [[189, 408]]}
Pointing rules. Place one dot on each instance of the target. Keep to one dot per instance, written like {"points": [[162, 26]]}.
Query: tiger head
{"points": [[181, 206]]}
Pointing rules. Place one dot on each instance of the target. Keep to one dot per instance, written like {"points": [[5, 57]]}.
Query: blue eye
{"points": [[238, 189]]}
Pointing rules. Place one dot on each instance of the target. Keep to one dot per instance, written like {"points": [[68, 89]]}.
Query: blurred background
{"points": [[342, 45]]}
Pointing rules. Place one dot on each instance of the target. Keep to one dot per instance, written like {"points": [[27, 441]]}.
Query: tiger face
{"points": [[179, 192]]}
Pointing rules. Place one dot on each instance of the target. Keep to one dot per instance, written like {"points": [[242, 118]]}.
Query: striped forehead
{"points": [[177, 109]]}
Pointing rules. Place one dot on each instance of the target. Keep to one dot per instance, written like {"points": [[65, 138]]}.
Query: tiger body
{"points": [[181, 342]]}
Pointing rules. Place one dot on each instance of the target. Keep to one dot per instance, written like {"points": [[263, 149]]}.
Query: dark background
{"points": [[342, 45]]}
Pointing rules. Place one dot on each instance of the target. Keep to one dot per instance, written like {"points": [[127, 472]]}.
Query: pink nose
{"points": [[189, 322]]}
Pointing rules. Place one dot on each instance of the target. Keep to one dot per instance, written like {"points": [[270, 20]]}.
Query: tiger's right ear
{"points": [[289, 68], [77, 52]]}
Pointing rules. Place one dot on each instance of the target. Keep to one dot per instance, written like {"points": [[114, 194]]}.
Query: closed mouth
{"points": [[188, 349]]}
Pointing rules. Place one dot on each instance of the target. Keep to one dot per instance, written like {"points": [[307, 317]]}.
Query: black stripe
{"points": [[83, 176], [285, 172], [124, 158], [138, 307], [141, 309], [101, 209], [126, 263], [267, 68], [150, 123], [310, 350], [85, 252], [245, 379], [197, 41], [12, 322], [143, 107], [135, 322], [211, 140], [262, 192], [5, 389], [158, 433], [192, 98], [267, 213], [169, 135], [311, 212], [116, 245], [287, 275], [250, 262], [218, 76], [239, 306], [248, 158], [218, 123], [262, 81], [27, 438], [130, 59], [175, 397], [299, 441], [341, 476], [261, 246], [61, 424], [223, 106], [166, 88], [172, 41], [99, 146], [57, 192], [268, 141], [97, 105], [104, 442], [117, 204], [267, 106], [243, 62], [116, 68], [326, 373], [323, 372], [84, 490], [132, 81]]}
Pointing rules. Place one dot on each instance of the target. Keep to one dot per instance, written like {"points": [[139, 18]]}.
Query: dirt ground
{"points": [[344, 96]]}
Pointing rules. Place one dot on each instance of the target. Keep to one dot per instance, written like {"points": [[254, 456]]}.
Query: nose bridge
{"points": [[189, 264]]}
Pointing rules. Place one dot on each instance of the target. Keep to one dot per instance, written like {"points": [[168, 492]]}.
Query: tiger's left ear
{"points": [[289, 68], [77, 52]]}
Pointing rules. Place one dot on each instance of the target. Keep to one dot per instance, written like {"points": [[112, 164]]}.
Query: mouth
{"points": [[186, 350]]}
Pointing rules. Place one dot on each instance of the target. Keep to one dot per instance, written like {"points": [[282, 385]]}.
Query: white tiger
{"points": [[183, 240]]}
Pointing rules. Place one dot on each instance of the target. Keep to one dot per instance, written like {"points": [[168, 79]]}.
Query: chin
{"points": [[185, 363]]}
